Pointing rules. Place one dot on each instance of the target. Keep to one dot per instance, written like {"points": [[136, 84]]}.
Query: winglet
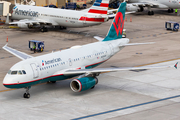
{"points": [[176, 65]]}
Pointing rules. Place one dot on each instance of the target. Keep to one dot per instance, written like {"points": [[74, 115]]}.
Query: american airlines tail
{"points": [[116, 29], [99, 7]]}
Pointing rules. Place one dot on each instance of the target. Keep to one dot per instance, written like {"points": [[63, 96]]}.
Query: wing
{"points": [[149, 3], [105, 70], [34, 22], [17, 53], [112, 13]]}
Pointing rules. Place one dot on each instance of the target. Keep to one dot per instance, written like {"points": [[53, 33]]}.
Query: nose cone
{"points": [[7, 81], [10, 81]]}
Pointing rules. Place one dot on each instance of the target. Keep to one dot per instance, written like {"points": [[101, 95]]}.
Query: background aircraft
{"points": [[76, 61], [34, 16], [138, 5]]}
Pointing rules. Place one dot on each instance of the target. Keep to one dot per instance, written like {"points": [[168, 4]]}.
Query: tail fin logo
{"points": [[119, 23]]}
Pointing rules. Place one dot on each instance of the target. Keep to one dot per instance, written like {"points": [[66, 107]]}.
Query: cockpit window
{"points": [[19, 72], [13, 72], [23, 72], [9, 72]]}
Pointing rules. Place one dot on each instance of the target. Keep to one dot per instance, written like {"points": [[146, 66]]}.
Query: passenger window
{"points": [[13, 72], [23, 72]]}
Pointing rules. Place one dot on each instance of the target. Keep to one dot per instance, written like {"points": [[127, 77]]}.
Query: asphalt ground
{"points": [[119, 95]]}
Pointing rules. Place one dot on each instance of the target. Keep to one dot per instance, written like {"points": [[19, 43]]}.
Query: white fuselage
{"points": [[54, 64], [164, 4], [57, 17]]}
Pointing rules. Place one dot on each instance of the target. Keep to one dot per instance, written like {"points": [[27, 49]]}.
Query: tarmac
{"points": [[124, 95]]}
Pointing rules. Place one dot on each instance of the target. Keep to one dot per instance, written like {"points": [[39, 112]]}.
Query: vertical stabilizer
{"points": [[99, 7], [116, 29]]}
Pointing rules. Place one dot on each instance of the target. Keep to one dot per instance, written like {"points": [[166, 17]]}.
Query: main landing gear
{"points": [[27, 94], [170, 10], [43, 29], [150, 12]]}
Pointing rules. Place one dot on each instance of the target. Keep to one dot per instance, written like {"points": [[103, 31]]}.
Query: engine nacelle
{"points": [[106, 19], [131, 7], [82, 84], [24, 25]]}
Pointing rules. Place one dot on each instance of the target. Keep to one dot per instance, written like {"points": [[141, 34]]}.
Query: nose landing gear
{"points": [[27, 94]]}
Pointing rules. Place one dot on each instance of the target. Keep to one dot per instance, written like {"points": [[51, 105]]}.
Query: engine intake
{"points": [[24, 25], [131, 7], [82, 84]]}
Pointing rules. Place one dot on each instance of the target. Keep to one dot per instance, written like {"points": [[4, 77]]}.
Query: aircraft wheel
{"points": [[26, 95], [152, 12], [169, 10], [172, 10], [45, 30], [42, 29], [53, 81]]}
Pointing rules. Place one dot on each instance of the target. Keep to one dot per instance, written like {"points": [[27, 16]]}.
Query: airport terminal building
{"points": [[59, 3]]}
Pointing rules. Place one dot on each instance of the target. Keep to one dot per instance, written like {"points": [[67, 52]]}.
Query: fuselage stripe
{"points": [[92, 19], [98, 11]]}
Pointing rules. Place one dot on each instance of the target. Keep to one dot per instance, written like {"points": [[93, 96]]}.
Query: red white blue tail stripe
{"points": [[99, 7]]}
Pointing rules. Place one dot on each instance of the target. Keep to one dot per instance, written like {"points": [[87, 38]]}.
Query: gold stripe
{"points": [[7, 90]]}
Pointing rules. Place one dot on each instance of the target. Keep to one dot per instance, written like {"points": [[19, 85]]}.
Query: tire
{"points": [[42, 29], [149, 13], [172, 10], [169, 11], [25, 96], [53, 81], [152, 12]]}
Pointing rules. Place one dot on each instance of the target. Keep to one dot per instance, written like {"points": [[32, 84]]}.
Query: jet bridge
{"points": [[5, 8]]}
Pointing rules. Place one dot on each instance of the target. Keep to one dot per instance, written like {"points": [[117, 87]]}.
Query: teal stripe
{"points": [[53, 78]]}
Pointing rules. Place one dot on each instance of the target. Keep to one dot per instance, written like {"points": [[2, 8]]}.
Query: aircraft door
{"points": [[35, 70], [84, 22]]}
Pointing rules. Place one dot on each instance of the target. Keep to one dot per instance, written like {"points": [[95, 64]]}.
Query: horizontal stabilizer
{"points": [[132, 44], [99, 38]]}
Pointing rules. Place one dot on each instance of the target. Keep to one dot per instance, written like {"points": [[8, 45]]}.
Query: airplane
{"points": [[78, 61], [138, 5], [42, 17]]}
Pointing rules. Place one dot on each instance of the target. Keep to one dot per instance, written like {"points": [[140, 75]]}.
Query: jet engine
{"points": [[131, 7], [106, 19], [82, 84], [24, 25]]}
